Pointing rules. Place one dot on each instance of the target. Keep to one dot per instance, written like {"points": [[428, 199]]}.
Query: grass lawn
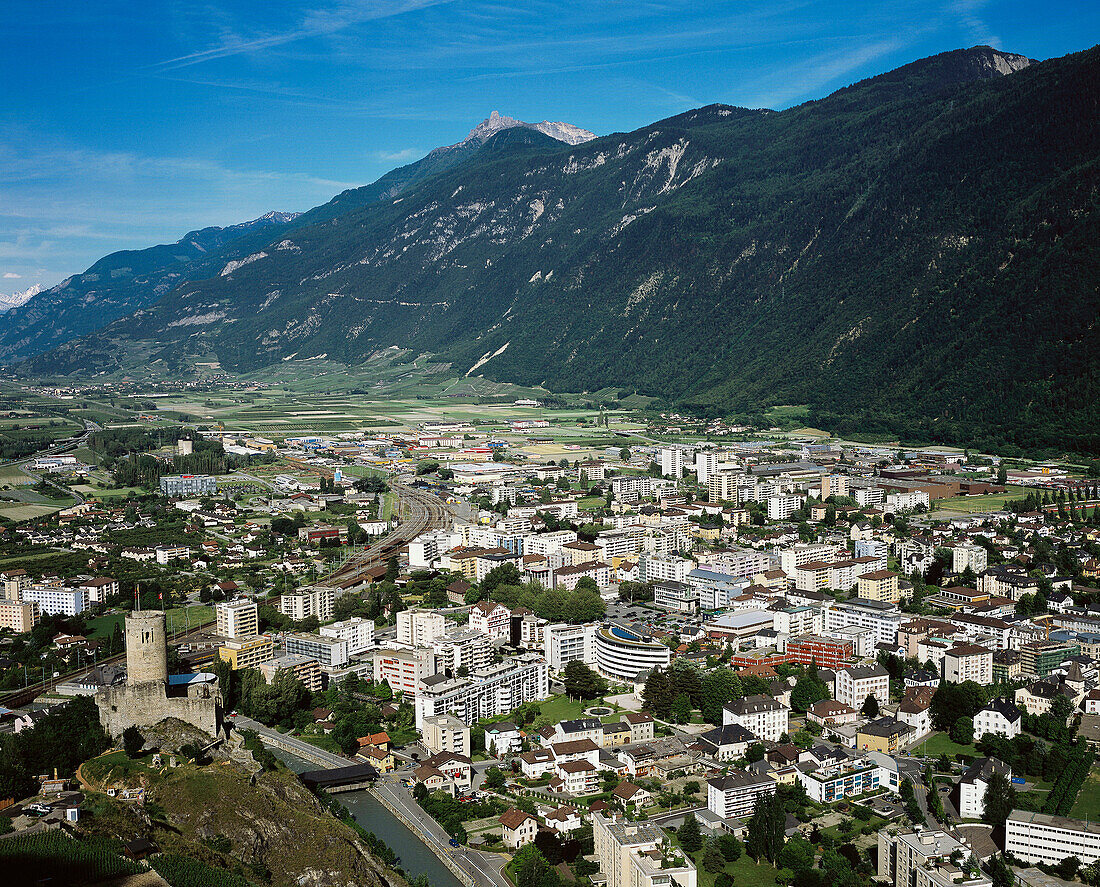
{"points": [[833, 831], [745, 872], [940, 743], [102, 627], [181, 617], [1088, 799], [590, 503]]}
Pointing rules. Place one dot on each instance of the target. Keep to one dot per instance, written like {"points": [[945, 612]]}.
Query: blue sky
{"points": [[123, 124]]}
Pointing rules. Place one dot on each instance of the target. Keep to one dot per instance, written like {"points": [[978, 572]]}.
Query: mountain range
{"points": [[14, 300], [915, 255]]}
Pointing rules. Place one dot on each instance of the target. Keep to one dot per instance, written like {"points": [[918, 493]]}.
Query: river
{"points": [[413, 856]]}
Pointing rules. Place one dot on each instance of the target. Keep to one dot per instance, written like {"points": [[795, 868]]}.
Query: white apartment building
{"points": [[418, 628], [796, 555], [427, 548], [568, 577], [1040, 837], [674, 460], [883, 617], [637, 854], [56, 599], [564, 643], [446, 734], [763, 716], [866, 496], [782, 507], [403, 670], [309, 601], [624, 651], [855, 683], [1001, 717], [973, 556], [906, 501], [548, 544], [486, 692], [968, 662], [329, 652], [973, 785], [735, 793], [655, 568], [724, 486], [626, 542], [358, 632], [462, 648], [737, 561], [491, 618], [237, 619], [799, 620], [167, 553]]}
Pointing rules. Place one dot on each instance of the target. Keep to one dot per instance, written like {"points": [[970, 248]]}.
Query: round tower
{"points": [[146, 648]]}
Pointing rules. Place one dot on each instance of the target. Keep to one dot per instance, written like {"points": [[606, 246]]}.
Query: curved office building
{"points": [[623, 651]]}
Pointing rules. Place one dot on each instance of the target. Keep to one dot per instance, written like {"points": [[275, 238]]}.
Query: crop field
{"points": [[977, 504], [19, 512]]}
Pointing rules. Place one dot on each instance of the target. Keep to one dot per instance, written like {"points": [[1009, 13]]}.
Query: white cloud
{"points": [[402, 156], [11, 275]]}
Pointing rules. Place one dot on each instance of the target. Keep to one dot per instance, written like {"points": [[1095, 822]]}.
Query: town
{"points": [[763, 660]]}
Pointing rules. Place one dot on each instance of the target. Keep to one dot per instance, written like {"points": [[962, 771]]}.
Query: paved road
{"points": [[303, 749], [484, 868]]}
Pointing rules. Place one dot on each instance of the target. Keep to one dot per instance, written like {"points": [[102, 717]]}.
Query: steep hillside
{"points": [[915, 254], [117, 285]]}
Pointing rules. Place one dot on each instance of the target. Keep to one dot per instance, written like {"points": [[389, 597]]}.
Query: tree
{"points": [[713, 860], [691, 838], [530, 866], [870, 706], [962, 731], [764, 836], [132, 741], [729, 845], [1000, 800], [807, 690], [495, 778], [581, 682], [797, 855], [999, 872], [680, 712]]}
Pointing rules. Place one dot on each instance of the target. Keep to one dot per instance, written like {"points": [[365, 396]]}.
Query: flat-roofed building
{"points": [[968, 662], [18, 616], [735, 793], [1041, 837], [247, 652], [880, 585], [305, 669], [330, 652], [637, 854], [445, 733], [237, 618]]}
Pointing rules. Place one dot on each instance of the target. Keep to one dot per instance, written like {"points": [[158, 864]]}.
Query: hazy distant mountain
{"points": [[14, 300], [117, 285], [917, 254]]}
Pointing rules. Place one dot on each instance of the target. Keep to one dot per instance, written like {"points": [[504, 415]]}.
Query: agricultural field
{"points": [[977, 504]]}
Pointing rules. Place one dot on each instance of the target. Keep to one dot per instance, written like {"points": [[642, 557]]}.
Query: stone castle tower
{"points": [[146, 648], [149, 695]]}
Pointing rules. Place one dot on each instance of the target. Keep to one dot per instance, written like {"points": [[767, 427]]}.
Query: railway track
{"points": [[422, 512]]}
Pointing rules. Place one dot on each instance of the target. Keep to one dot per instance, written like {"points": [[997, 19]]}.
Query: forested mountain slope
{"points": [[917, 254]]}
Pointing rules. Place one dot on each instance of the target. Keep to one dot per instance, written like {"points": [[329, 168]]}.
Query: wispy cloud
{"points": [[314, 23], [11, 275], [968, 14], [402, 156], [814, 74]]}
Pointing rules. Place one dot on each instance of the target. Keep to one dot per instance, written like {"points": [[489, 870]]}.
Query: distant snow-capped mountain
{"points": [[7, 302], [495, 122]]}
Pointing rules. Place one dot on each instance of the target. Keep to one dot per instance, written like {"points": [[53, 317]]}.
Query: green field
{"points": [[940, 743], [102, 627], [21, 512], [977, 504], [1088, 800]]}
